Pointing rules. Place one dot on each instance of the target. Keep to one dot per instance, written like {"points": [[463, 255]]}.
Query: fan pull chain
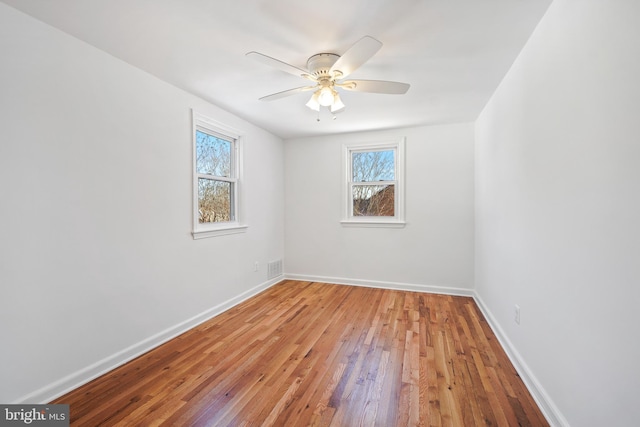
{"points": [[333, 116]]}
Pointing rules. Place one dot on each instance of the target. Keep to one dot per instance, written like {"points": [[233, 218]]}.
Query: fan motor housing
{"points": [[320, 64]]}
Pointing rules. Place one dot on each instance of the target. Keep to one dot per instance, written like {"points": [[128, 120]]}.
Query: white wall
{"points": [[434, 250], [95, 247], [558, 203]]}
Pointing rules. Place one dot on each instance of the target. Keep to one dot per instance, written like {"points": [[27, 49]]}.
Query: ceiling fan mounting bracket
{"points": [[319, 65]]}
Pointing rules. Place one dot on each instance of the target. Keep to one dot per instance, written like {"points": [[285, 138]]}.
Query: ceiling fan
{"points": [[327, 71]]}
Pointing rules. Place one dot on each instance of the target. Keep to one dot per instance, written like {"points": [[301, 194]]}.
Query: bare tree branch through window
{"points": [[373, 187], [214, 168]]}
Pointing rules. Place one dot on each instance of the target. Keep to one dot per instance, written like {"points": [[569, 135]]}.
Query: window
{"points": [[374, 184], [216, 152]]}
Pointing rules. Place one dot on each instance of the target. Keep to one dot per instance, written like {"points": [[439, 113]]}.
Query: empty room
{"points": [[287, 213]]}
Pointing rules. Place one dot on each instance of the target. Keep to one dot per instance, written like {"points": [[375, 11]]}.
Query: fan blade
{"points": [[276, 63], [286, 93], [356, 55], [375, 86]]}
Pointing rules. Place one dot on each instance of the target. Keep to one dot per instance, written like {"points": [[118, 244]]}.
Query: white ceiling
{"points": [[452, 52]]}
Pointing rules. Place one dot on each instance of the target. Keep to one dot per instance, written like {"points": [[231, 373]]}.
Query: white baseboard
{"points": [[64, 385], [441, 289], [546, 405]]}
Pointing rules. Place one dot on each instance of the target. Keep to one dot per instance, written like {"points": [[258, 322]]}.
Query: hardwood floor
{"points": [[305, 353]]}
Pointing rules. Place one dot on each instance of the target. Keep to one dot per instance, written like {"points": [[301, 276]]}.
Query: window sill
{"points": [[373, 223], [219, 231]]}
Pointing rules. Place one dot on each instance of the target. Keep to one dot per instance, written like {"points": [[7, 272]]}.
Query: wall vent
{"points": [[274, 269]]}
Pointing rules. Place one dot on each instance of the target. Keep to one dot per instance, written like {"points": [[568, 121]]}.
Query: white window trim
{"points": [[397, 221], [201, 231]]}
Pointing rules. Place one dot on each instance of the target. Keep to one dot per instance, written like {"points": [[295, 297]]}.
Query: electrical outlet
{"points": [[256, 266], [517, 314]]}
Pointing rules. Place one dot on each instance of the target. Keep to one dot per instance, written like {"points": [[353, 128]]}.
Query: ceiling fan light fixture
{"points": [[337, 105], [326, 96], [313, 102]]}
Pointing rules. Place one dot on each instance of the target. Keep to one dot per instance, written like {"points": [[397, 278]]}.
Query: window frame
{"points": [[396, 221], [207, 125]]}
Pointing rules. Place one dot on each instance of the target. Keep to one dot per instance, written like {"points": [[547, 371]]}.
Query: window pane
{"points": [[214, 201], [213, 155], [373, 200], [373, 166]]}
